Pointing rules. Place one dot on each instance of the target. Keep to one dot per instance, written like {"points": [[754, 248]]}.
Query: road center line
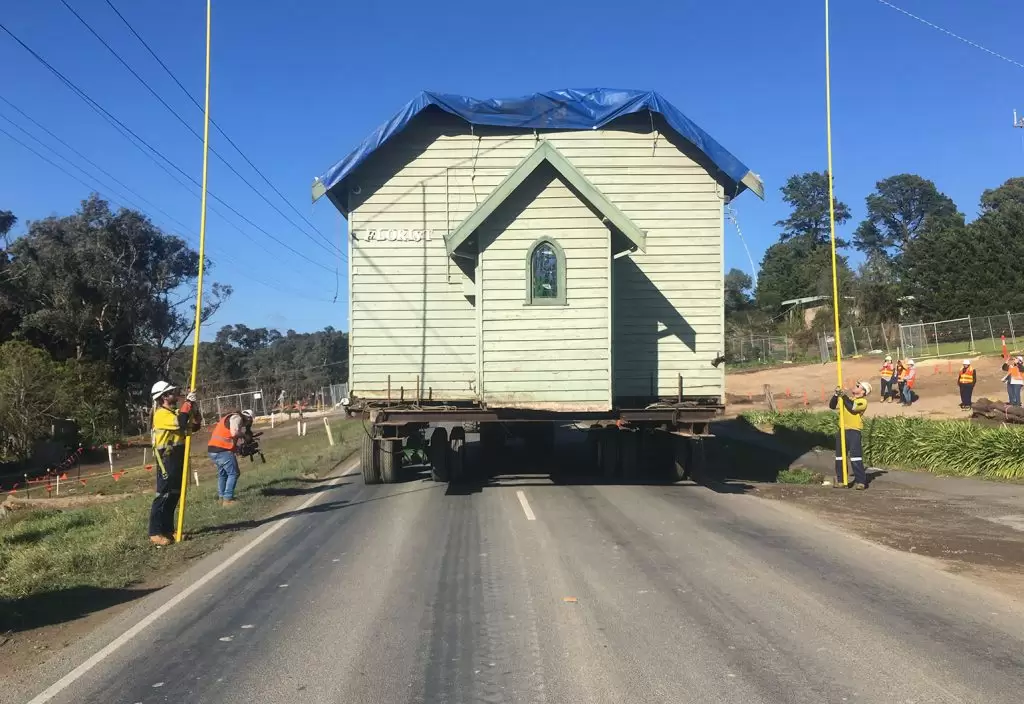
{"points": [[111, 647], [526, 506]]}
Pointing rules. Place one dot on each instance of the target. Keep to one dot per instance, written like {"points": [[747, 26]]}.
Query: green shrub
{"points": [[799, 475], [942, 446]]}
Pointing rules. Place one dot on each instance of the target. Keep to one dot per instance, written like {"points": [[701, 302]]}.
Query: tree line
{"points": [[922, 259], [97, 305]]}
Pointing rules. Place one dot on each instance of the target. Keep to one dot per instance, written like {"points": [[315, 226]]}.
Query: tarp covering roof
{"points": [[569, 109]]}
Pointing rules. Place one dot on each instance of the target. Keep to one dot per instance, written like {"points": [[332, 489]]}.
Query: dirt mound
{"points": [[11, 503]]}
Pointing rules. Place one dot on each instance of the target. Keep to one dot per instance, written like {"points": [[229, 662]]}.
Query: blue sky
{"points": [[297, 85]]}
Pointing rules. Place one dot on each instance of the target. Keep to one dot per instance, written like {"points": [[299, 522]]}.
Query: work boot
{"points": [[228, 502], [161, 541], [860, 487]]}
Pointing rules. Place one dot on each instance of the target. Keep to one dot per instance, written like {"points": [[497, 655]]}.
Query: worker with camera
{"points": [[171, 425], [228, 437]]}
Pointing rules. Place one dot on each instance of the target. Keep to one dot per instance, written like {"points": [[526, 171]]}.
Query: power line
{"points": [[90, 161], [118, 123], [936, 27], [212, 121], [121, 201], [196, 134], [731, 214], [91, 187]]}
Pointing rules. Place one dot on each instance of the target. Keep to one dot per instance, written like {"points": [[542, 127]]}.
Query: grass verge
{"points": [[50, 560], [950, 447]]}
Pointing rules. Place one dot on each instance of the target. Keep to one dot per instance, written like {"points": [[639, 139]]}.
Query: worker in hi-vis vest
{"points": [[888, 375], [966, 380], [852, 406], [171, 425], [225, 441], [909, 379]]}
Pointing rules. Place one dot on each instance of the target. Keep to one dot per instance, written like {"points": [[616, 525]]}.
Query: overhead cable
{"points": [[191, 129]]}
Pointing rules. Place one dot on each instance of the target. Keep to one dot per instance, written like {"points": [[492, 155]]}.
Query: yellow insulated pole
{"points": [[199, 283], [832, 238]]}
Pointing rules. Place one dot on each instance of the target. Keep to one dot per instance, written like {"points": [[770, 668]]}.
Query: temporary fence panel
{"points": [[219, 406], [763, 350], [940, 338]]}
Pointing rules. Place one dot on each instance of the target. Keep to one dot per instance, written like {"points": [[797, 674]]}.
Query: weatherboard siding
{"points": [[576, 377], [667, 301]]}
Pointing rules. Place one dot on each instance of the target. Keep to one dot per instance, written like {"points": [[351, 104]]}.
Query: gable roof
{"points": [[569, 109], [545, 153]]}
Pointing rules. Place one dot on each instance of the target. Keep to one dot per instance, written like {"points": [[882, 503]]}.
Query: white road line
{"points": [[526, 507], [70, 678]]}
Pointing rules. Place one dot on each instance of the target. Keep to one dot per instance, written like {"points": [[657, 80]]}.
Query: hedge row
{"points": [[941, 446]]}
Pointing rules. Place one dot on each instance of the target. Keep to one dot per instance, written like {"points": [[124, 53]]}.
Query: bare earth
{"points": [[809, 386]]}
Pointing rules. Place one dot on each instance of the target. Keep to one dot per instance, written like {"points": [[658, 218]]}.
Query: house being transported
{"points": [[556, 256]]}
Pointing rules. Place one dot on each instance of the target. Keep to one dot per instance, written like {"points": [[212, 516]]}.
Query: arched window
{"points": [[545, 273]]}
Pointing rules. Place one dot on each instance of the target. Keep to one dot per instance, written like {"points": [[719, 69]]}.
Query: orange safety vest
{"points": [[221, 438], [911, 375], [1015, 372], [966, 376], [886, 370]]}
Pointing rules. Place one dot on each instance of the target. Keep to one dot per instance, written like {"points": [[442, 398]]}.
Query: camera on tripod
{"points": [[250, 447]]}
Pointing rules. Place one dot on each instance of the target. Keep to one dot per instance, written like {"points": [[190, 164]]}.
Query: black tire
{"points": [[629, 454], [682, 459], [658, 453], [608, 453], [540, 439], [390, 459], [492, 439], [369, 460], [457, 458], [439, 455]]}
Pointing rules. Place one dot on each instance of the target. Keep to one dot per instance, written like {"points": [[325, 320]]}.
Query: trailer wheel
{"points": [[658, 453], [390, 459], [369, 460], [682, 453], [457, 458], [629, 451], [608, 452], [439, 455], [492, 439]]}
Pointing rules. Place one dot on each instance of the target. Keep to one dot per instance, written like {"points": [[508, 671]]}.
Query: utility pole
{"points": [[1018, 122]]}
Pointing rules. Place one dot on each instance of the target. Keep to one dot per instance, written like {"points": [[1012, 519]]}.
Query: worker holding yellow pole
{"points": [[841, 458], [172, 426], [199, 283]]}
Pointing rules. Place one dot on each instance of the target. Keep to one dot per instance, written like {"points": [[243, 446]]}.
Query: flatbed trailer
{"points": [[660, 440]]}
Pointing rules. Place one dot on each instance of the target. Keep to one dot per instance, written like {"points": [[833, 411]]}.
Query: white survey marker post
{"points": [[110, 457], [330, 436]]}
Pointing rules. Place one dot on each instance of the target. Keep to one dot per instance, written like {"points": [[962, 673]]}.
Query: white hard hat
{"points": [[160, 388], [888, 358], [967, 362], [910, 362], [247, 413], [866, 386]]}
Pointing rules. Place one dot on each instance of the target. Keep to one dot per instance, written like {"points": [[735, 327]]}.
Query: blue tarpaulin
{"points": [[558, 110]]}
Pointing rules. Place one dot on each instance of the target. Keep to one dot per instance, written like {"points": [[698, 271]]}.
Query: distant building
{"points": [[807, 307]]}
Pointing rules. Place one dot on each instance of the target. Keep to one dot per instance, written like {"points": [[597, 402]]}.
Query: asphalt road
{"points": [[420, 593]]}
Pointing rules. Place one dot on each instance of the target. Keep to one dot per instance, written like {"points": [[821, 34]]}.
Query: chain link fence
{"points": [[858, 340], [217, 407], [957, 337], [758, 350]]}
